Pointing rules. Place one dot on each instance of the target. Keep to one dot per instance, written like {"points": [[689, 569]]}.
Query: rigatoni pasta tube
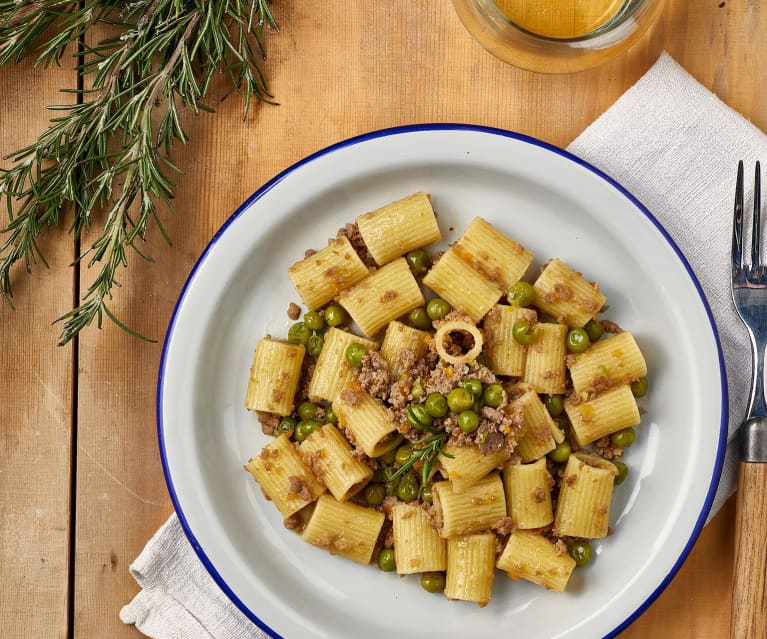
{"points": [[383, 296], [607, 413], [400, 337], [545, 368], [583, 506], [284, 477], [399, 227], [475, 509], [332, 371], [455, 325], [609, 362], [468, 464], [319, 277], [528, 494], [534, 558], [498, 258], [470, 568], [455, 281], [328, 453], [565, 295], [274, 376], [366, 421], [539, 433], [344, 529], [506, 355], [417, 545]]}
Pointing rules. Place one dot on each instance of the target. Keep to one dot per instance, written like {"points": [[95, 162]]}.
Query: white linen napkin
{"points": [[671, 143]]}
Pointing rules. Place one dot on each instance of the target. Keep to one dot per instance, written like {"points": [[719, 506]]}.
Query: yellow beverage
{"points": [[559, 18]]}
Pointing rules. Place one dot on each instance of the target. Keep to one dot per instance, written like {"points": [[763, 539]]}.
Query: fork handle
{"points": [[749, 595]]}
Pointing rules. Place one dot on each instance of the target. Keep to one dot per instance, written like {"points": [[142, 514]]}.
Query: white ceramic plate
{"points": [[557, 206]]}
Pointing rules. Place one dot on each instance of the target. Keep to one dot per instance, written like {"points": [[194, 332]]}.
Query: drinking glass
{"points": [[557, 36]]}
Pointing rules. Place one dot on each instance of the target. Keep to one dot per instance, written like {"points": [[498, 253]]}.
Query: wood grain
{"points": [[749, 594], [35, 397], [336, 72]]}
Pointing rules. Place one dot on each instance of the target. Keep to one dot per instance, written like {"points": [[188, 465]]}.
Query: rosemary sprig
{"points": [[427, 449], [107, 158]]}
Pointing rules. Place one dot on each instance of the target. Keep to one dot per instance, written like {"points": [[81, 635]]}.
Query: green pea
{"points": [[639, 387], [387, 457], [459, 399], [581, 551], [419, 318], [386, 560], [419, 261], [577, 340], [522, 332], [437, 308], [383, 474], [477, 405], [561, 453], [307, 410], [305, 428], [433, 581], [314, 345], [555, 404], [336, 315], [314, 321], [594, 329], [287, 425], [474, 386], [426, 494], [299, 333], [374, 494], [391, 487], [403, 454], [330, 416], [436, 405], [623, 472], [408, 488], [418, 417], [521, 294], [417, 390], [493, 395], [624, 438], [354, 354], [468, 421]]}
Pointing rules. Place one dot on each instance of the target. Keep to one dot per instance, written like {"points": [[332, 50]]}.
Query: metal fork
{"points": [[749, 294]]}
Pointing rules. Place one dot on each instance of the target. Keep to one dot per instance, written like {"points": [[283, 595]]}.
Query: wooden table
{"points": [[81, 488]]}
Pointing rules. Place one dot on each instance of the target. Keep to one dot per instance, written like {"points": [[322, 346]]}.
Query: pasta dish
{"points": [[449, 414]]}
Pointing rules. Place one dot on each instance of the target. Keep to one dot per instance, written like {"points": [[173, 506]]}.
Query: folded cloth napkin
{"points": [[671, 143]]}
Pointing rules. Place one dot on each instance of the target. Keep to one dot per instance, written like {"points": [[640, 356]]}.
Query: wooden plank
{"points": [[345, 70], [35, 395]]}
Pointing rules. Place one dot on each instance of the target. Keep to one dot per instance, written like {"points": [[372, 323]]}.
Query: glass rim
{"points": [[627, 10]]}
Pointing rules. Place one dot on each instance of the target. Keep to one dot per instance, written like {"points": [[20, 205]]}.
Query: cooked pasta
{"points": [[320, 277], [382, 296], [535, 558], [329, 455], [344, 529], [274, 376], [417, 545], [284, 477], [471, 567], [396, 228], [565, 295]]}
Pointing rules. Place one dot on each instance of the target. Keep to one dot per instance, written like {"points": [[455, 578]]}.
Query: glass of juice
{"points": [[557, 36]]}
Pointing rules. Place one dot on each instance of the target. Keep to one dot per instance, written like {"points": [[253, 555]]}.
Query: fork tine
{"points": [[756, 228], [737, 222]]}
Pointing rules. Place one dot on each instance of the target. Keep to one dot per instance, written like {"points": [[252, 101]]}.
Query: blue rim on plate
{"points": [[722, 440]]}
